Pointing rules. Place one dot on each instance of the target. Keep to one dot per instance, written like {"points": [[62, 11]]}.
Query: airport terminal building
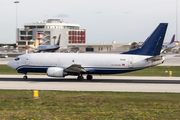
{"points": [[72, 37], [48, 31]]}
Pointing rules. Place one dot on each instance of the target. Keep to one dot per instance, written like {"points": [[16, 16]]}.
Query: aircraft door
{"points": [[27, 60], [130, 63]]}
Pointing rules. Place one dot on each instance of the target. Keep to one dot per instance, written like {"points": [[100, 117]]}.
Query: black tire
{"points": [[80, 78], [25, 77], [89, 77]]}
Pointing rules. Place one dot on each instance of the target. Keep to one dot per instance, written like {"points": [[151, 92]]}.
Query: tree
{"points": [[54, 37], [133, 46]]}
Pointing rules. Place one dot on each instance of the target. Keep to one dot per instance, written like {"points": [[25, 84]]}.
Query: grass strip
{"points": [[152, 71], [18, 104], [155, 71]]}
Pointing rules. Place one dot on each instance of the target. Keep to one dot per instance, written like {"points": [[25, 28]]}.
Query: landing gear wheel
{"points": [[89, 77], [80, 78], [25, 77]]}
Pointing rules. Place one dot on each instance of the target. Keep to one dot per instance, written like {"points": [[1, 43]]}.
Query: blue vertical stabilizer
{"points": [[58, 40], [152, 45]]}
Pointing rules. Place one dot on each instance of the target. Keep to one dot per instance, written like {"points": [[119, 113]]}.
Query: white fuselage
{"points": [[165, 47], [48, 48], [95, 63]]}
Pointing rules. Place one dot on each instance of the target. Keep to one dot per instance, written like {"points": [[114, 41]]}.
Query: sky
{"points": [[125, 21]]}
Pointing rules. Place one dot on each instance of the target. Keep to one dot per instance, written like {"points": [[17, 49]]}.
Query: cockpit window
{"points": [[16, 59]]}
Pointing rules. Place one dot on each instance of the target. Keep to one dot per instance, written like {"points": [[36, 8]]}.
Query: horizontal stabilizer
{"points": [[169, 56], [154, 58]]}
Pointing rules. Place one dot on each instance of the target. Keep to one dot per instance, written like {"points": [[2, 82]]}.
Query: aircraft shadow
{"points": [[93, 81]]}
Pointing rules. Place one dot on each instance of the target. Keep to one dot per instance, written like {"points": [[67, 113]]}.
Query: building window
{"points": [[30, 33], [77, 28], [22, 43], [40, 26], [89, 49], [24, 37], [29, 37], [22, 33], [30, 27], [71, 27]]}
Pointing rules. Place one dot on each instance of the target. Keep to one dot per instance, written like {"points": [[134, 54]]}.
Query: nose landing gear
{"points": [[25, 77]]}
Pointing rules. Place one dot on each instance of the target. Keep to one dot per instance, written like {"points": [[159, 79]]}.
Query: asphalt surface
{"points": [[174, 61], [99, 83]]}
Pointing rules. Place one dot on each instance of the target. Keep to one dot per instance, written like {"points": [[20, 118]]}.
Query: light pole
{"points": [[26, 29], [176, 20], [16, 2]]}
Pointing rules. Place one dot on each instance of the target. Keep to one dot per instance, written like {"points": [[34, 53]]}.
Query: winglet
{"points": [[152, 45], [58, 40]]}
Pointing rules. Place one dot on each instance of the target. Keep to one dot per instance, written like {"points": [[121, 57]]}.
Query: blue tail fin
{"points": [[58, 40], [152, 45]]}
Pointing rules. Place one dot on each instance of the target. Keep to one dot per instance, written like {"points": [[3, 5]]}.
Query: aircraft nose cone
{"points": [[11, 64]]}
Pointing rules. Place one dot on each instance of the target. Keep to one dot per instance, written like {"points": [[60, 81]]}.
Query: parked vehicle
{"points": [[3, 56]]}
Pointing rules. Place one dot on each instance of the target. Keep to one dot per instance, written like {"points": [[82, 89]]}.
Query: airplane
{"points": [[168, 46], [77, 64], [50, 48]]}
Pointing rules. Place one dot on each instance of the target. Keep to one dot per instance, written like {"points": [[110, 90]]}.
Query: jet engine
{"points": [[56, 72]]}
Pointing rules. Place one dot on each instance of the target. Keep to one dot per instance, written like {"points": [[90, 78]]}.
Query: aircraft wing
{"points": [[75, 68]]}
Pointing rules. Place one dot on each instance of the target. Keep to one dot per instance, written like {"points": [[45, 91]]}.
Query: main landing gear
{"points": [[88, 77], [80, 78]]}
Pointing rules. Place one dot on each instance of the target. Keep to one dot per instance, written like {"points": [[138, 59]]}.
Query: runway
{"points": [[104, 83]]}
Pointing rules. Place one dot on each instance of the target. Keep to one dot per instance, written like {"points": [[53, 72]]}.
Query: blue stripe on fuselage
{"points": [[27, 68], [93, 70]]}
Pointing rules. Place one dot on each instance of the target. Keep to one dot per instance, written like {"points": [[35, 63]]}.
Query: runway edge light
{"points": [[35, 94]]}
